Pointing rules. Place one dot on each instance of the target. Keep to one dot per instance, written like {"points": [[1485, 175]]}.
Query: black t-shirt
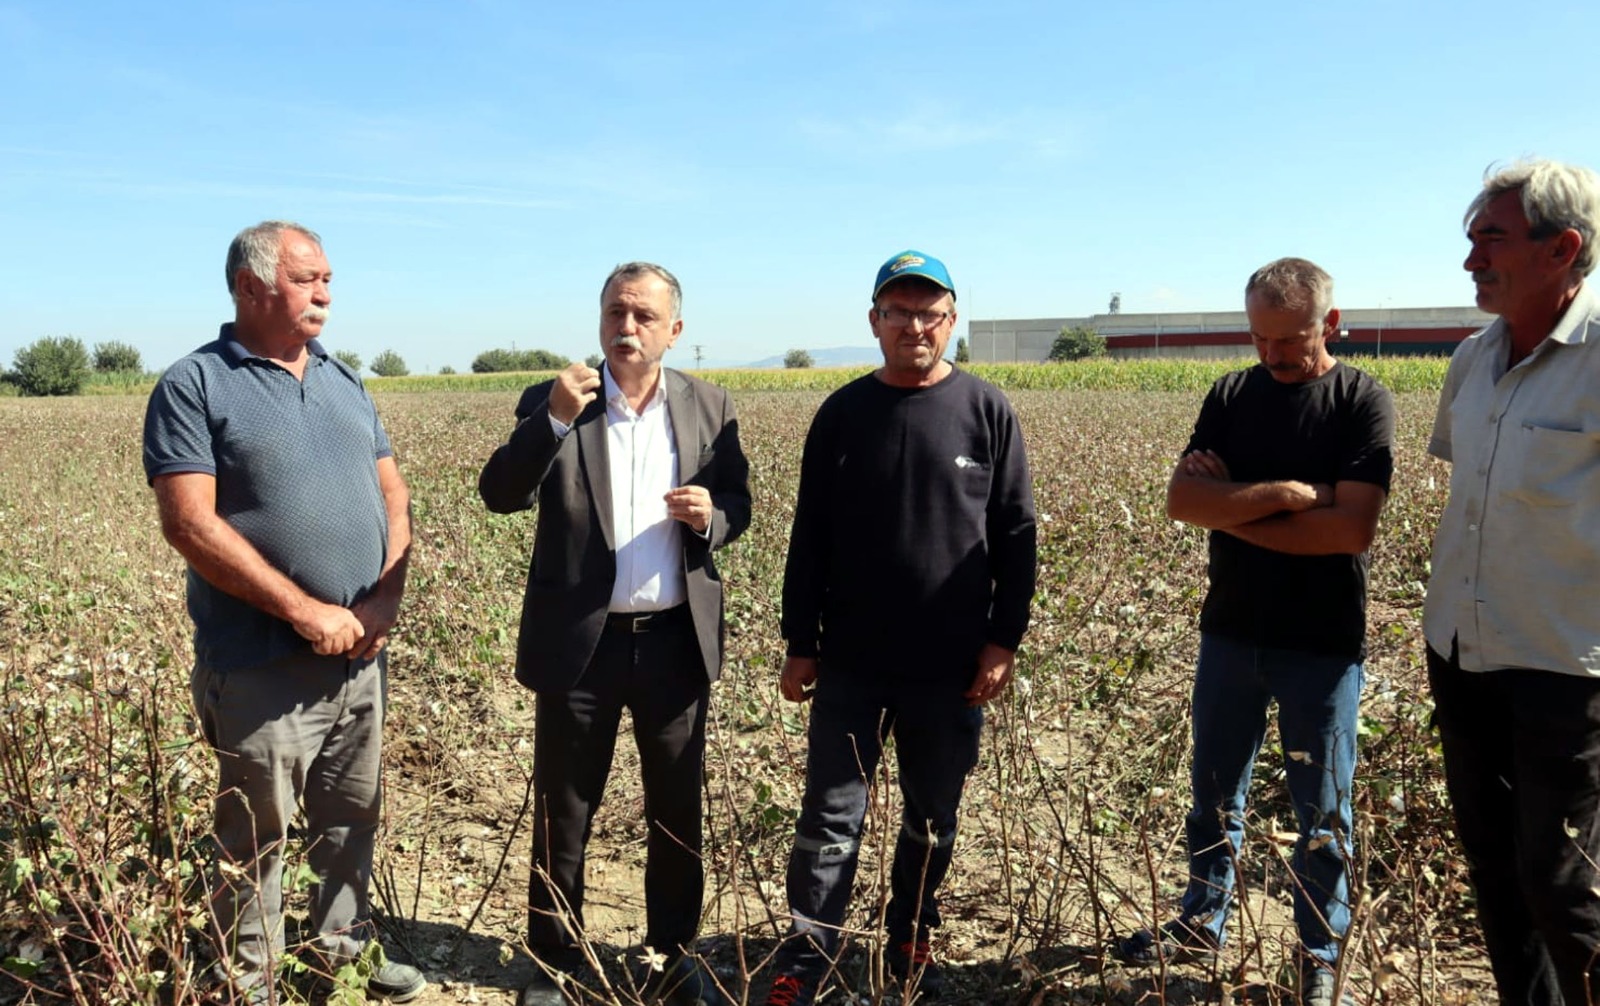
{"points": [[1334, 428], [913, 540]]}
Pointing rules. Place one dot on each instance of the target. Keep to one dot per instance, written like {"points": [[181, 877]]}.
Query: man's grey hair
{"points": [[634, 270], [256, 248], [1555, 197], [1293, 284]]}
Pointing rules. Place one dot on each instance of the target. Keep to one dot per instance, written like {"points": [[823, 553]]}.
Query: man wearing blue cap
{"points": [[910, 572]]}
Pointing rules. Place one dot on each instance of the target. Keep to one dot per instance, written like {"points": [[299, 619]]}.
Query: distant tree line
{"points": [[386, 364], [61, 365], [498, 361]]}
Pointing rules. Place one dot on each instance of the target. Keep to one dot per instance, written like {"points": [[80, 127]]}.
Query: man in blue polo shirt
{"points": [[277, 485]]}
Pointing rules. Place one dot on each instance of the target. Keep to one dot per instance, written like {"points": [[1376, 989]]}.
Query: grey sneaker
{"points": [[398, 983], [1316, 987]]}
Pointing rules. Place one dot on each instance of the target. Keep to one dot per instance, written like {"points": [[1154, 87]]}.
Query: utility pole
{"points": [[699, 354]]}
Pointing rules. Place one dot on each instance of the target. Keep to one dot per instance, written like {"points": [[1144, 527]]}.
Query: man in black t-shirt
{"points": [[1288, 467], [910, 573]]}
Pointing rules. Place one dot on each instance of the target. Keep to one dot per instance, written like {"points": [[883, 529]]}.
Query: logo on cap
{"points": [[906, 262]]}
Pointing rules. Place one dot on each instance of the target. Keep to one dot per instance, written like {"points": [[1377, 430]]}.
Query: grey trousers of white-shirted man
{"points": [[303, 729]]}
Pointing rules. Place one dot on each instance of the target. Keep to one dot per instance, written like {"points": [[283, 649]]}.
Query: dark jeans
{"points": [[1522, 762], [659, 676], [936, 741], [1318, 699]]}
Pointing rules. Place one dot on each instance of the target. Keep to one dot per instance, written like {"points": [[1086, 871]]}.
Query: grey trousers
{"points": [[301, 729]]}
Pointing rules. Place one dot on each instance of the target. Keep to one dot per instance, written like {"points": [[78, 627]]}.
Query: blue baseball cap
{"points": [[913, 263]]}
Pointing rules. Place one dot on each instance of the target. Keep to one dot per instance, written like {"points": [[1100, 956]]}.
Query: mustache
{"points": [[627, 342], [314, 313], [1484, 275]]}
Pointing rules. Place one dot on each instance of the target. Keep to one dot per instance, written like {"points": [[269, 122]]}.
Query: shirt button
{"points": [[1472, 527]]}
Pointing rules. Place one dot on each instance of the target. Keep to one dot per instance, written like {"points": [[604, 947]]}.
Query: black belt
{"points": [[644, 621]]}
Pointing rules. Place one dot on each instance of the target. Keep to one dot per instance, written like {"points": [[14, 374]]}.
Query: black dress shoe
{"points": [[684, 983], [542, 991]]}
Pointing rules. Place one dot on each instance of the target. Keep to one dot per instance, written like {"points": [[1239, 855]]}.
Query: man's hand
{"points": [[692, 505], [329, 628], [995, 664], [1205, 465], [799, 675], [377, 616], [1298, 496], [574, 389]]}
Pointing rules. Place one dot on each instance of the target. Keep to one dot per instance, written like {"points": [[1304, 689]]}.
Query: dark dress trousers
{"points": [[585, 671]]}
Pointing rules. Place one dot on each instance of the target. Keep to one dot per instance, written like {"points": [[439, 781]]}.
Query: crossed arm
{"points": [[1298, 518], [221, 555]]}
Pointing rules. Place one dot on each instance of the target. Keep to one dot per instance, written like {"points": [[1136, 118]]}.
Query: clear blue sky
{"points": [[476, 168]]}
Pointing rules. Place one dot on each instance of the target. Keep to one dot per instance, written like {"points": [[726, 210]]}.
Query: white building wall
{"points": [[1022, 340]]}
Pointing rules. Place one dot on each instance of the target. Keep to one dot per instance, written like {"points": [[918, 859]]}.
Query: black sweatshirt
{"points": [[914, 538]]}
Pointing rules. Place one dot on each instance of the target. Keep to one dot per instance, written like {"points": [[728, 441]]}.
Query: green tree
{"points": [[543, 359], [593, 361], [962, 354], [389, 364], [350, 358], [51, 366], [117, 358], [797, 359], [446, 370], [496, 361], [1077, 343]]}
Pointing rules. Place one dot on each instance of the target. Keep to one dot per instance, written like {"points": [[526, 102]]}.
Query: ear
{"points": [[1330, 324], [247, 284], [677, 329], [1565, 248], [872, 321]]}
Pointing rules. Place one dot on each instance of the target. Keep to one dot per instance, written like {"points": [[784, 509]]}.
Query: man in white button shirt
{"points": [[1513, 610], [638, 477]]}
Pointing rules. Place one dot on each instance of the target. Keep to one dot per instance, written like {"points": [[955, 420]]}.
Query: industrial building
{"points": [[1400, 331]]}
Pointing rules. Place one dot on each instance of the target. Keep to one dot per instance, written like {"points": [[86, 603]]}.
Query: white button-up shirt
{"points": [[643, 465], [1516, 559]]}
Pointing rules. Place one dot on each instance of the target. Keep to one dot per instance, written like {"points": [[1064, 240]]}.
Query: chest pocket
{"points": [[1553, 468]]}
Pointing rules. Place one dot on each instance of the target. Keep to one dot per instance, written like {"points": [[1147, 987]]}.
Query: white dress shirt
{"points": [[643, 464], [1516, 560]]}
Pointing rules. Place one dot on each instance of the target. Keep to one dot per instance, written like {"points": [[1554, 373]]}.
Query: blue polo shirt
{"points": [[295, 464]]}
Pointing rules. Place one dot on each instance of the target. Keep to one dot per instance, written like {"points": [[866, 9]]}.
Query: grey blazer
{"points": [[574, 558]]}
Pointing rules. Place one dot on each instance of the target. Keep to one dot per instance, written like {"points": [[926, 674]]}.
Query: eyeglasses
{"points": [[901, 317]]}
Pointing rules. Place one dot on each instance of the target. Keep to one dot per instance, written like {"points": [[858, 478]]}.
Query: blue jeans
{"points": [[1318, 700]]}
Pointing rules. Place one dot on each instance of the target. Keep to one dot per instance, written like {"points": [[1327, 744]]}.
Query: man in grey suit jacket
{"points": [[638, 477]]}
